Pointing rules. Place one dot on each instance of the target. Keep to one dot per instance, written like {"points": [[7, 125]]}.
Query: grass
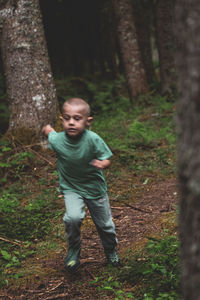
{"points": [[144, 144]]}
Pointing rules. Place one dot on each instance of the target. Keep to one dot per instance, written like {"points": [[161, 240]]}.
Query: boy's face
{"points": [[75, 120]]}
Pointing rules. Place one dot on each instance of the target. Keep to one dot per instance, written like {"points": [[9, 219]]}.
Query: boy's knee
{"points": [[106, 225], [74, 219]]}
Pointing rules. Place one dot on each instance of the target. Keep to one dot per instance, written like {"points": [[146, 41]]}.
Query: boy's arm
{"points": [[47, 129], [100, 164]]}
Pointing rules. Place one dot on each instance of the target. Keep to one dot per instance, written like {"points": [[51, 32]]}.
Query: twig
{"points": [[57, 296], [41, 157], [55, 287], [12, 242], [29, 146], [39, 291], [119, 207], [88, 261], [139, 209], [131, 206]]}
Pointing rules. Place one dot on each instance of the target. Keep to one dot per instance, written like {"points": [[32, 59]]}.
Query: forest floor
{"points": [[135, 221], [143, 193]]}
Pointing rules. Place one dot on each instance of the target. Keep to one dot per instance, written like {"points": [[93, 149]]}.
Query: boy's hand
{"points": [[47, 129], [100, 164]]}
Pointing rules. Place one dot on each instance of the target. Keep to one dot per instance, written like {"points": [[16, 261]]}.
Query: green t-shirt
{"points": [[76, 174]]}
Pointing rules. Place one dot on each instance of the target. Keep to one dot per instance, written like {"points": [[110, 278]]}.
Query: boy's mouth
{"points": [[72, 130]]}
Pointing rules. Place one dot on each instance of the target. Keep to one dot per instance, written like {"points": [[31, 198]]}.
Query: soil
{"points": [[134, 223]]}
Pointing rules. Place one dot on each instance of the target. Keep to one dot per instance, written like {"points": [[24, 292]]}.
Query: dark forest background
{"points": [[84, 49]]}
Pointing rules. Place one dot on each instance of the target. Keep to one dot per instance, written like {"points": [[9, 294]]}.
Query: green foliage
{"points": [[8, 203], [157, 267], [11, 261], [29, 221], [140, 127], [146, 134], [24, 222], [111, 286], [102, 95], [12, 162], [153, 273], [25, 216], [144, 137], [107, 97]]}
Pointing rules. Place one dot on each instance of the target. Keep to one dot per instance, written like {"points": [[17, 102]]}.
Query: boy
{"points": [[81, 157]]}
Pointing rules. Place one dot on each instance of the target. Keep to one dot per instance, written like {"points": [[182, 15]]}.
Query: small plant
{"points": [[111, 286], [158, 268], [147, 134]]}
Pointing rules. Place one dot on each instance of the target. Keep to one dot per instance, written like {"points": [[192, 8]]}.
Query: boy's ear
{"points": [[61, 118], [89, 121]]}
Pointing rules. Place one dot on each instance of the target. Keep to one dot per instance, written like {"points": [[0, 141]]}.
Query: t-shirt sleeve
{"points": [[52, 140], [102, 151]]}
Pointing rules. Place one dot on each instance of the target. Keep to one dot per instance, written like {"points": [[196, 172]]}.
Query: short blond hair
{"points": [[78, 102]]}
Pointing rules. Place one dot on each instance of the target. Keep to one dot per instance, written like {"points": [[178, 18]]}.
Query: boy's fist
{"points": [[47, 129], [100, 164]]}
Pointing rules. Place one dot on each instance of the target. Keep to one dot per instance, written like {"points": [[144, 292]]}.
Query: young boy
{"points": [[81, 157]]}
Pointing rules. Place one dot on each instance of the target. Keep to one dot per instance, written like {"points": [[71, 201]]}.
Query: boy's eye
{"points": [[77, 118], [66, 117]]}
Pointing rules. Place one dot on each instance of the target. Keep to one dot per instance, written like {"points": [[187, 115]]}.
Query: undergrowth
{"points": [[152, 273]]}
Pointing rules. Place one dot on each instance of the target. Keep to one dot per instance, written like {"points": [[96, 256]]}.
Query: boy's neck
{"points": [[75, 138]]}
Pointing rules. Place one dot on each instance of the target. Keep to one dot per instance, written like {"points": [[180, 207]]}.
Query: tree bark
{"points": [[30, 86], [143, 21], [131, 56], [188, 62], [164, 19]]}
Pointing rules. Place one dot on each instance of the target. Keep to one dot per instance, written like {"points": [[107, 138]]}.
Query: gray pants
{"points": [[101, 215]]}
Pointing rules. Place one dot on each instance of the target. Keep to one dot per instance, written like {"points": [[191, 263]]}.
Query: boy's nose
{"points": [[71, 121]]}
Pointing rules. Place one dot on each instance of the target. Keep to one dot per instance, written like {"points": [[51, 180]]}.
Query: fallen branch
{"points": [[131, 206], [12, 242], [55, 287]]}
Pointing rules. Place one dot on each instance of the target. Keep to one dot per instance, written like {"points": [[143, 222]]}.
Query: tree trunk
{"points": [[29, 80], [143, 21], [164, 19], [133, 66], [188, 62]]}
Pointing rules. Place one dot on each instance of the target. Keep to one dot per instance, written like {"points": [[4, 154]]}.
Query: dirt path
{"points": [[134, 223]]}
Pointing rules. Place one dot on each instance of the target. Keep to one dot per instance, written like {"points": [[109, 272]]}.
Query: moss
{"points": [[59, 126], [22, 136], [27, 136]]}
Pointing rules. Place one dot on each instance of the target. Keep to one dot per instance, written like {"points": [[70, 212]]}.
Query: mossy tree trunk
{"points": [[131, 56], [30, 86], [188, 62], [164, 21]]}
